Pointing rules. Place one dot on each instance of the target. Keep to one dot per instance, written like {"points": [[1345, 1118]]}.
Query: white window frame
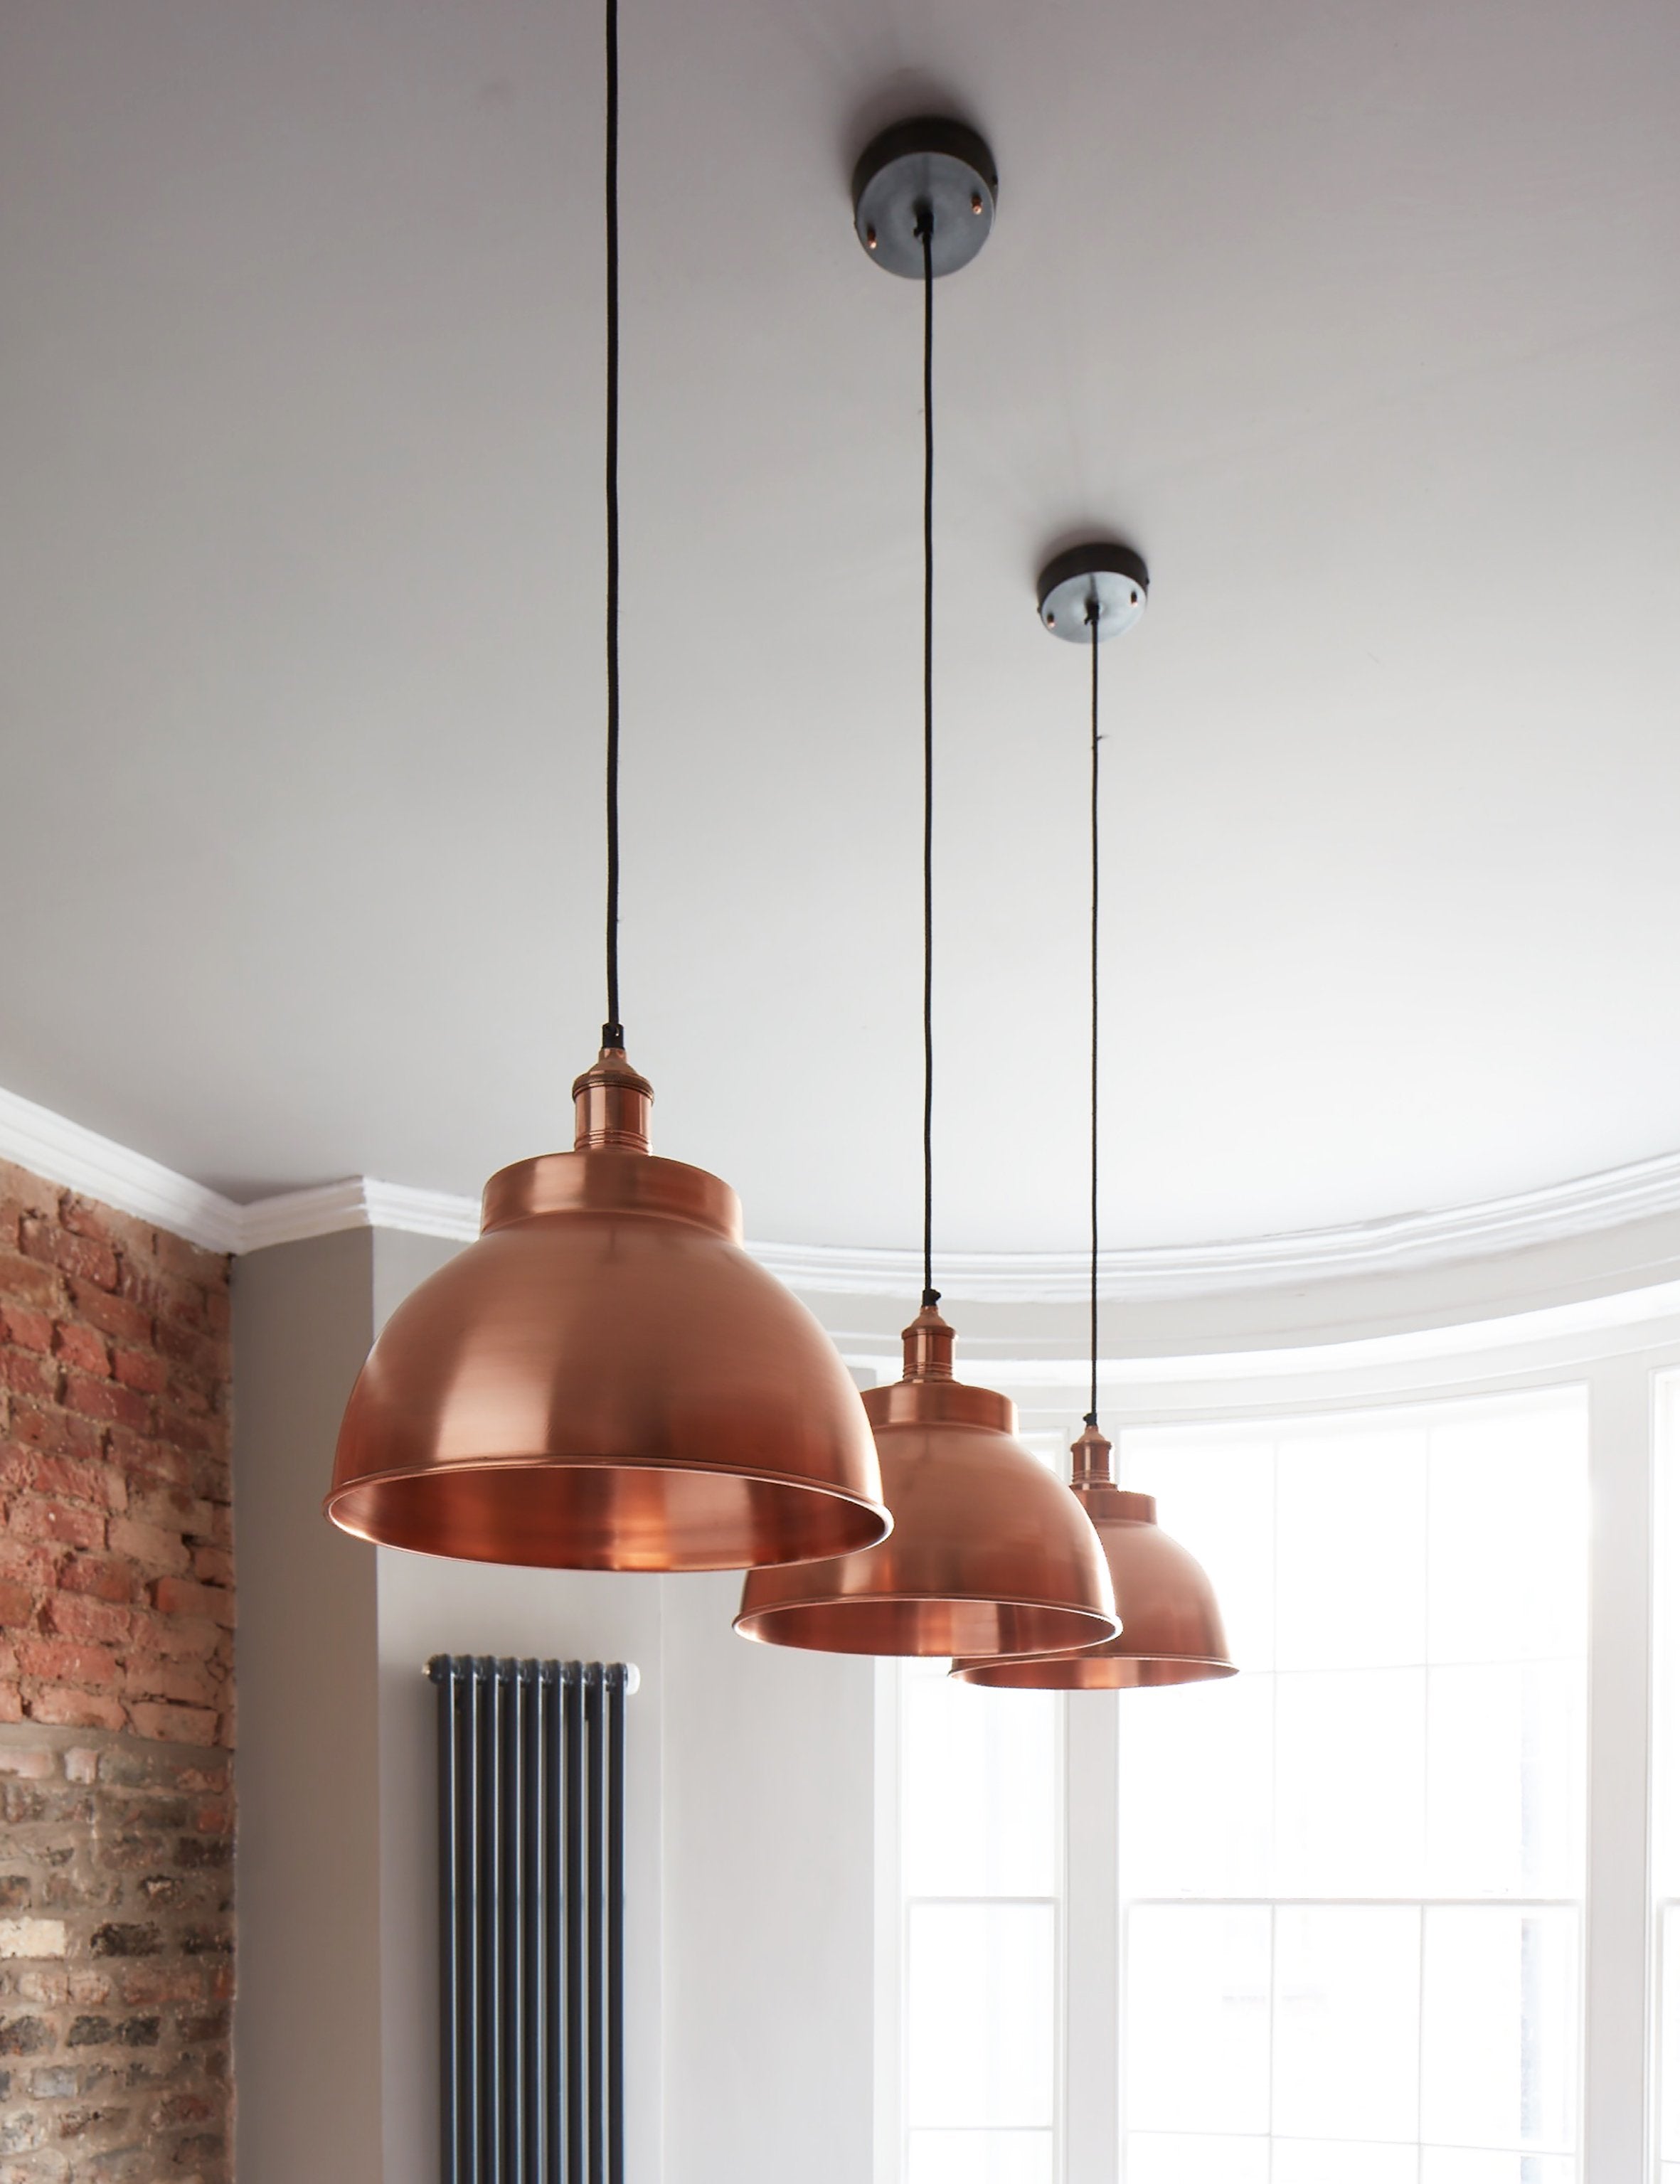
{"points": [[1619, 1365]]}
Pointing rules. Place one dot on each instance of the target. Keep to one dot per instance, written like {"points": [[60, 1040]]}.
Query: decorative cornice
{"points": [[65, 1153], [1397, 1244]]}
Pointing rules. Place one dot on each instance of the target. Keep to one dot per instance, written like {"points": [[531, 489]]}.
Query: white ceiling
{"points": [[1361, 319]]}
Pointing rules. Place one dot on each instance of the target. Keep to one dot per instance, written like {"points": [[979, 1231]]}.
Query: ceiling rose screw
{"points": [[1097, 590], [977, 203], [872, 239]]}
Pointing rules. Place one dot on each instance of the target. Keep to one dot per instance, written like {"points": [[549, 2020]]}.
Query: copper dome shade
{"points": [[1172, 1633], [989, 1553], [606, 1380]]}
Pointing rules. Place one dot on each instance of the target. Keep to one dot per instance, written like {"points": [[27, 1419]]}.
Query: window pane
{"points": [[1195, 1802], [981, 1771], [1506, 1797], [1453, 2166], [981, 2157], [1338, 2161], [1215, 1493], [1670, 2004], [1350, 1783], [1350, 1548], [1512, 1480], [981, 2013], [1177, 2159], [1198, 2006], [1500, 2038], [1346, 2055]]}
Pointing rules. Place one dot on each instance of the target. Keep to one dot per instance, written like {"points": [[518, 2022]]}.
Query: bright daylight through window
{"points": [[1351, 1878]]}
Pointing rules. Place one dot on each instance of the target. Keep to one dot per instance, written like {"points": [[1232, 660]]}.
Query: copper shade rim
{"points": [[1210, 1664], [443, 1475], [750, 1621]]}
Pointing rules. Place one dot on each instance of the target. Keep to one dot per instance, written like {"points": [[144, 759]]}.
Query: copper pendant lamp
{"points": [[989, 1553], [1172, 1632], [605, 1380]]}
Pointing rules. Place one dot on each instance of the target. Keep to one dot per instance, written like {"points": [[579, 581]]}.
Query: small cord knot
{"points": [[929, 1300], [612, 1034]]}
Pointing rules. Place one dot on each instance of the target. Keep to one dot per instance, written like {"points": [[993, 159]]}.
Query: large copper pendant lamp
{"points": [[606, 1380], [1172, 1632], [989, 1553]]}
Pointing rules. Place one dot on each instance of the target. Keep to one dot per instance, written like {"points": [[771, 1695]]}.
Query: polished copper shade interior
{"points": [[606, 1380], [988, 1554], [1171, 1631]]}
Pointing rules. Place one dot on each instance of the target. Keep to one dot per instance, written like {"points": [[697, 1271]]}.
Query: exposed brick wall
{"points": [[116, 1572], [116, 1698], [116, 1963]]}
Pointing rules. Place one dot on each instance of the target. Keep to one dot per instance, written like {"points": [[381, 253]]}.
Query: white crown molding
{"points": [[1398, 1244], [63, 1152], [76, 1159]]}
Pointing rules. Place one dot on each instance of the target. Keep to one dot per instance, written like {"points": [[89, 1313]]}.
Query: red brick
{"points": [[207, 1354], [171, 1509], [17, 1603], [186, 1395], [35, 1566], [99, 1577], [56, 1432], [142, 1369], [192, 1263], [190, 1683], [104, 1398], [26, 1374], [56, 1523], [25, 1281], [152, 1549], [30, 1193], [199, 1436], [157, 1979], [69, 1709], [103, 1224], [72, 1479], [219, 1311], [81, 1348], [179, 1595], [173, 1724], [213, 1566], [11, 1704], [178, 1637], [24, 1327], [141, 1457], [114, 1316], [213, 1480], [88, 1259], [99, 1622], [57, 1661]]}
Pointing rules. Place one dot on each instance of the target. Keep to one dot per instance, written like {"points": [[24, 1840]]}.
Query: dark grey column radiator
{"points": [[531, 1844]]}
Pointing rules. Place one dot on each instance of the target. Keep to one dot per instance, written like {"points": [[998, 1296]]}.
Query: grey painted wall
{"points": [[306, 2018]]}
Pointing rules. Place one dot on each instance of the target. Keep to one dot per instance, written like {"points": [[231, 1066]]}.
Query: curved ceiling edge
{"points": [[1604, 1205]]}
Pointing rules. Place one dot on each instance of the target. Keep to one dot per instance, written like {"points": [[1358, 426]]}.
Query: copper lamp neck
{"points": [[613, 1107], [928, 1341], [1093, 1454]]}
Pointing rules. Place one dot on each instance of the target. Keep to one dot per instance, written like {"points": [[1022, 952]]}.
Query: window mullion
{"points": [[1093, 1963], [1615, 2096]]}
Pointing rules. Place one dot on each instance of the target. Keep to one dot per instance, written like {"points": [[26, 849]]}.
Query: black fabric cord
{"points": [[612, 1031], [924, 231], [1093, 616]]}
